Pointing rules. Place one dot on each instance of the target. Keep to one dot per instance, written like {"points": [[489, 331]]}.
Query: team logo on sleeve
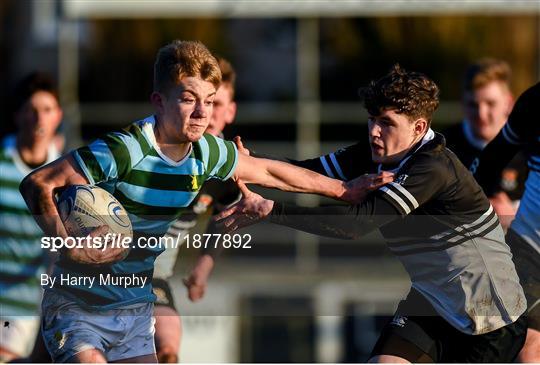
{"points": [[401, 179]]}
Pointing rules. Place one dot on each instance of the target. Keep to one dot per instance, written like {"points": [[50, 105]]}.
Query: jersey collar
{"points": [[470, 137], [429, 136]]}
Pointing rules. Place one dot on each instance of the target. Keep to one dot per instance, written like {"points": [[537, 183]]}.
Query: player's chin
{"points": [[193, 134], [377, 158]]}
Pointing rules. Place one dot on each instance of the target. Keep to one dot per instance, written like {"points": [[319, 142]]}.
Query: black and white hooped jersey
{"points": [[520, 133], [436, 219]]}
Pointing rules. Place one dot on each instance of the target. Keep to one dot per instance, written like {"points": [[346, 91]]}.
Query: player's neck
{"points": [[171, 147]]}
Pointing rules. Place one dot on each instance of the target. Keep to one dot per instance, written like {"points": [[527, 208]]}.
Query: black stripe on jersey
{"points": [[397, 198], [398, 192], [465, 234], [533, 165], [469, 229], [448, 245], [536, 169], [510, 136], [329, 167]]}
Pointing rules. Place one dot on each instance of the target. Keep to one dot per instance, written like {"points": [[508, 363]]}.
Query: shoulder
{"points": [[433, 160], [7, 147], [210, 144]]}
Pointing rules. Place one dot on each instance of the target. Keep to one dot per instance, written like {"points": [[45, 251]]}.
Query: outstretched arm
{"points": [[346, 222], [286, 177]]}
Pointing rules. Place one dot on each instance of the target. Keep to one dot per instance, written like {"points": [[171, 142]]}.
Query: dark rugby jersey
{"points": [[520, 133], [460, 139], [437, 220]]}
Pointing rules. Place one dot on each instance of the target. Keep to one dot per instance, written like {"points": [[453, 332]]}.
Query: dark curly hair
{"points": [[409, 93]]}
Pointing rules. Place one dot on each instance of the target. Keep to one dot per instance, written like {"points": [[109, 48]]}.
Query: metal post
{"points": [[68, 80], [307, 127]]}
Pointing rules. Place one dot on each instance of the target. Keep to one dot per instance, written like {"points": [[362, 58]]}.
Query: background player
{"points": [[36, 114], [154, 168], [466, 303], [521, 133], [487, 101], [213, 196]]}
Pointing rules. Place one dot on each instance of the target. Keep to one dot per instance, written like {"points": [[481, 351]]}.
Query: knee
{"points": [[167, 355], [530, 353]]}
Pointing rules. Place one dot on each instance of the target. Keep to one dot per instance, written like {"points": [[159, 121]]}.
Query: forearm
{"points": [[346, 222], [215, 245], [39, 188], [39, 197], [286, 177]]}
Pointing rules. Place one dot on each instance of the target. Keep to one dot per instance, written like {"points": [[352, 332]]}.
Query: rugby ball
{"points": [[83, 208]]}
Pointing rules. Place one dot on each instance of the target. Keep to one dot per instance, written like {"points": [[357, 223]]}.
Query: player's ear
{"points": [[231, 113], [421, 126], [158, 101]]}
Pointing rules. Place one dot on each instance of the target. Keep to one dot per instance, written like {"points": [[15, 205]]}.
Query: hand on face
{"points": [[249, 210]]}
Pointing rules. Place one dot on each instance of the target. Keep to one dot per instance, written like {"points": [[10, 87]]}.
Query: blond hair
{"points": [[485, 71], [180, 59]]}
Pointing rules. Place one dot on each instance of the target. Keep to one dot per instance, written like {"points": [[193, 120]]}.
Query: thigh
{"points": [[69, 330], [90, 356], [527, 261], [138, 335], [499, 346], [144, 359], [408, 338]]}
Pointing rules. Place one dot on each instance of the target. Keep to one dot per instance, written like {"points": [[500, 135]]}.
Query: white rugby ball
{"points": [[83, 208]]}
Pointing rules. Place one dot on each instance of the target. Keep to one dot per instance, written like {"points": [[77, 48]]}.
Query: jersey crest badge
{"points": [[401, 179], [194, 183], [398, 321]]}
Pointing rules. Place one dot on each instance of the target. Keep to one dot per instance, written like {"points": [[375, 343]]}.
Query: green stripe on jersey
{"points": [[213, 152], [19, 235], [10, 183], [136, 132], [91, 163], [9, 209], [17, 304], [229, 163], [165, 181], [28, 260], [120, 153], [147, 211]]}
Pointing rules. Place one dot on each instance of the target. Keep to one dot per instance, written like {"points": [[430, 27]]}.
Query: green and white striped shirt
{"points": [[21, 258], [153, 189]]}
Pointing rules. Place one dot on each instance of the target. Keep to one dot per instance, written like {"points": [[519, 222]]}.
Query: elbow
{"points": [[27, 186]]}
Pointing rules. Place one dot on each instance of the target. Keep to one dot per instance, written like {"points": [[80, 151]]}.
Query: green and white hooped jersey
{"points": [[21, 258], [155, 191]]}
